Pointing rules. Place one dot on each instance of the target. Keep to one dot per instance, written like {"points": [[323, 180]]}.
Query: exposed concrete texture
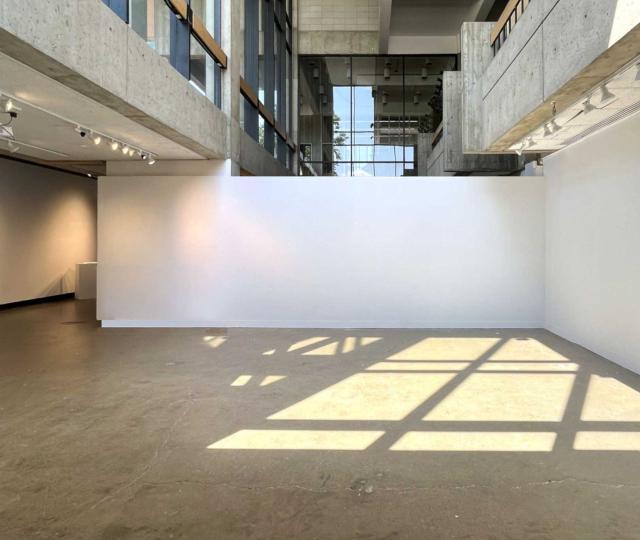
{"points": [[330, 15], [475, 57], [338, 26], [455, 160], [86, 47], [384, 25], [423, 151], [558, 51], [256, 160], [435, 161], [338, 42], [277, 434]]}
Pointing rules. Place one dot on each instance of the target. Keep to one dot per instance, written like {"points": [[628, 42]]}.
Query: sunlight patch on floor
{"points": [[457, 441], [419, 366], [270, 379], [306, 343], [214, 341], [367, 396], [621, 441], [241, 380], [446, 349], [344, 346], [610, 400], [526, 349], [283, 439], [330, 349], [528, 366], [521, 397]]}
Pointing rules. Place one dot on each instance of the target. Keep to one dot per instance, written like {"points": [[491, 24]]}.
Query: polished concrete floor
{"points": [[108, 433]]}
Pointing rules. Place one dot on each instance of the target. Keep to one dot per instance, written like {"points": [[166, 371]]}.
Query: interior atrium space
{"points": [[319, 269]]}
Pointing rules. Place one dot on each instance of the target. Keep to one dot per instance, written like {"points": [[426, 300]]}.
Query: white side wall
{"points": [[47, 225], [332, 252], [593, 243]]}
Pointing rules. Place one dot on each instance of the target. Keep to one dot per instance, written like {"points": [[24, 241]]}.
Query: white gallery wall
{"points": [[593, 243], [47, 225], [325, 252]]}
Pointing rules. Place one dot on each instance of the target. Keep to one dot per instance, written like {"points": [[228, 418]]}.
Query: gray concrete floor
{"points": [[196, 433]]}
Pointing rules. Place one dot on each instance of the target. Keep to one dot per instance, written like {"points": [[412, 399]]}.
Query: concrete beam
{"points": [[83, 45], [385, 26]]}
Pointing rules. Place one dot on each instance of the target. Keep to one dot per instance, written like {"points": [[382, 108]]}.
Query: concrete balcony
{"points": [[84, 46], [557, 51]]}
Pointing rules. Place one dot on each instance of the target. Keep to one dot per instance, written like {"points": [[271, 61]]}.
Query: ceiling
{"points": [[434, 17], [50, 113]]}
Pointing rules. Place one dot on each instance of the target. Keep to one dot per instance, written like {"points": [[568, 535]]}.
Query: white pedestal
{"points": [[86, 280]]}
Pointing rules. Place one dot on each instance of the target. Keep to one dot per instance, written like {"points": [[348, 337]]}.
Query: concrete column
{"points": [[233, 45]]}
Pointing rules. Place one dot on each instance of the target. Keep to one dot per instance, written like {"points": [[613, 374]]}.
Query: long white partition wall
{"points": [[324, 252]]}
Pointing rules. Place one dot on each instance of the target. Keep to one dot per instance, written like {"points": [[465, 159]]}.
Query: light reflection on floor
{"points": [[448, 394]]}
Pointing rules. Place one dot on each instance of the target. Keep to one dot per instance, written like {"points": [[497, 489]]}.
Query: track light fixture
{"points": [[607, 95], [13, 147], [588, 107], [151, 160], [97, 139], [125, 149], [114, 145]]}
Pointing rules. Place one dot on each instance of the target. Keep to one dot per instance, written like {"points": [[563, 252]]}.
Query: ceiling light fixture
{"points": [[97, 139], [114, 145], [151, 160], [125, 149]]}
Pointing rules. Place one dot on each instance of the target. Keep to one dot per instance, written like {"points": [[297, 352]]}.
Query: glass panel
{"points": [[336, 102], [261, 130], [378, 169], [150, 20], [203, 70], [205, 10], [261, 52]]}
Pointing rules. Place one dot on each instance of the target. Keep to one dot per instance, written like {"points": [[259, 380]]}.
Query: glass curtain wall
{"points": [[362, 115], [267, 71]]}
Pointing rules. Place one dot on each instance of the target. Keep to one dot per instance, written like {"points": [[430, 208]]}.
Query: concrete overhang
{"points": [[84, 46], [558, 51], [601, 69]]}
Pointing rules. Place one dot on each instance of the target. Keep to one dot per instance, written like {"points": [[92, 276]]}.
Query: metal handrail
{"points": [[506, 23]]}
